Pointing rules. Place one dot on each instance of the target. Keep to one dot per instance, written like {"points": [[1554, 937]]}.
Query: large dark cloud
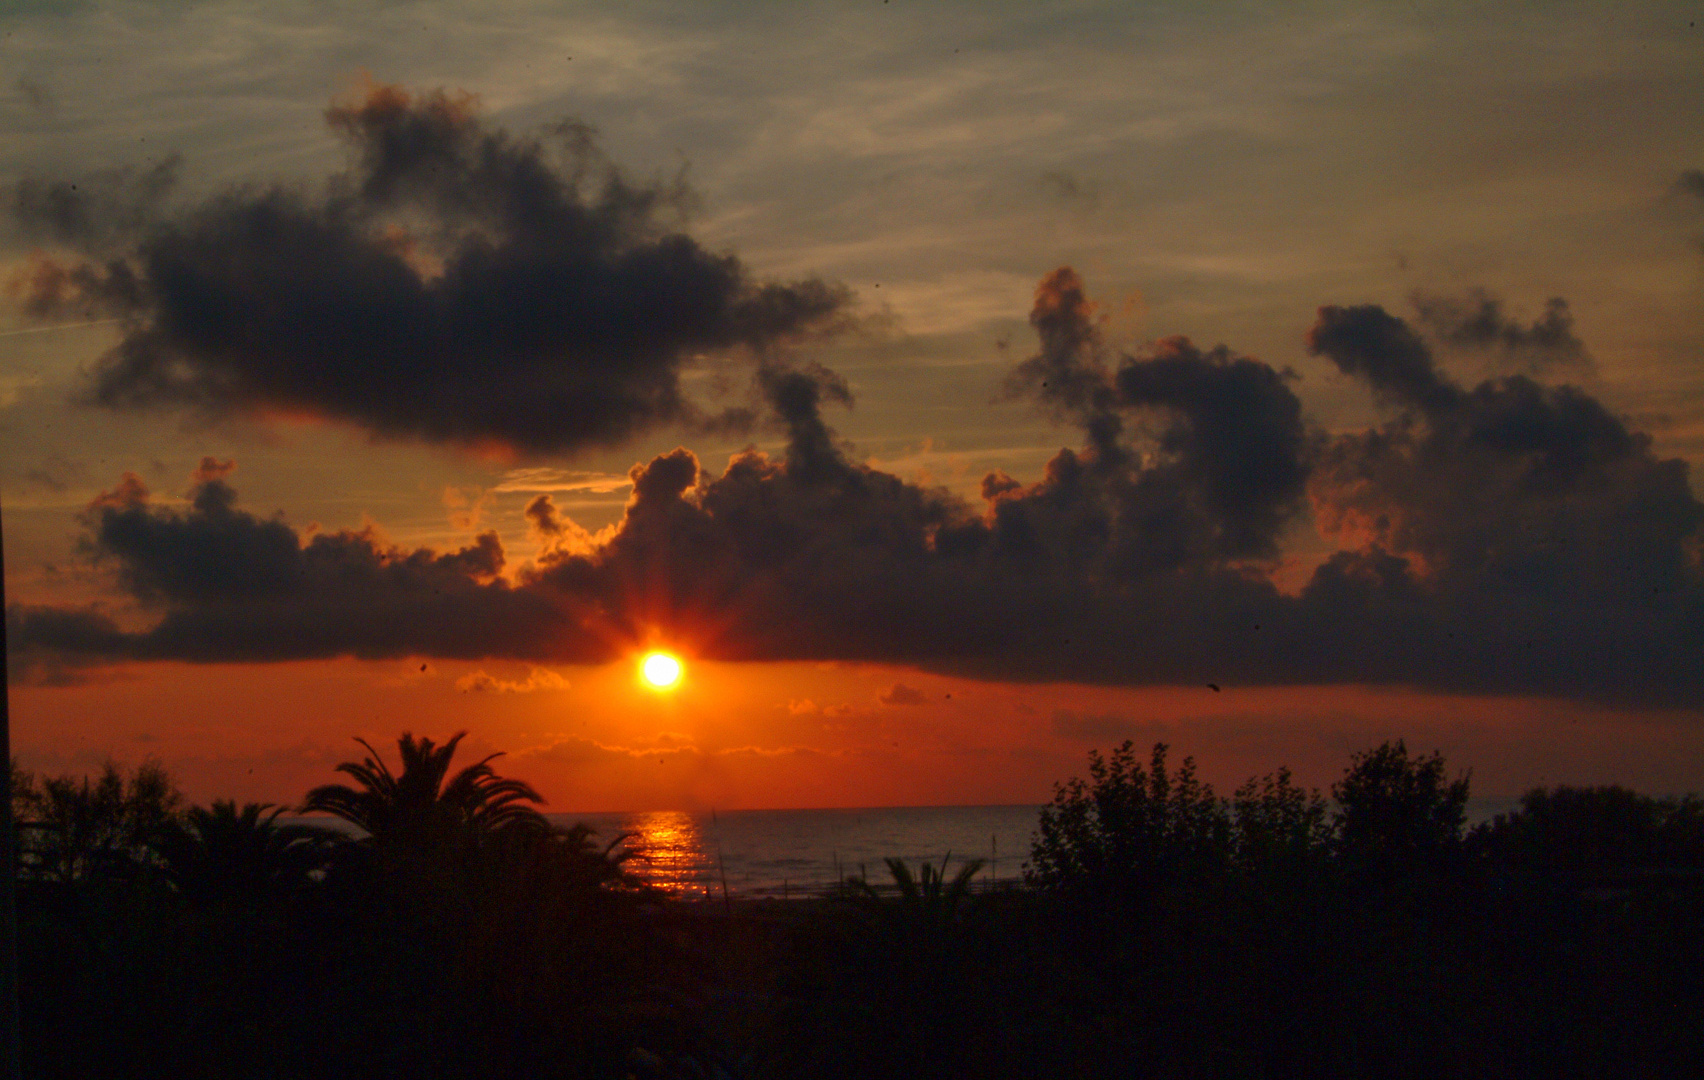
{"points": [[1524, 524], [457, 284], [1509, 537]]}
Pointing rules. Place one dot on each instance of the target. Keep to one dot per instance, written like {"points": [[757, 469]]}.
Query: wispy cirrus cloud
{"points": [[545, 479]]}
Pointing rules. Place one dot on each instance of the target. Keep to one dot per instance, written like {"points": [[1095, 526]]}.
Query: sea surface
{"points": [[792, 853]]}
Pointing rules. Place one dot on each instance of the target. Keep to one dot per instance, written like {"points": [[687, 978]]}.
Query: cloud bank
{"points": [[458, 284], [1509, 536]]}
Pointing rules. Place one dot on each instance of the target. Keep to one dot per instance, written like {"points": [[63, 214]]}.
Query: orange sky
{"points": [[803, 735]]}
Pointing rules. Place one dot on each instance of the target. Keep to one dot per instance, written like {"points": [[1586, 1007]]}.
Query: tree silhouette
{"points": [[1576, 834], [1397, 814], [418, 803], [75, 829], [1280, 826]]}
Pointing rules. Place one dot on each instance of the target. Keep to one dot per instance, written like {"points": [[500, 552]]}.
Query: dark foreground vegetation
{"points": [[1163, 931]]}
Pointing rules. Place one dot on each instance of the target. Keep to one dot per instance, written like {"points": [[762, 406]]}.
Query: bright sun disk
{"points": [[660, 669]]}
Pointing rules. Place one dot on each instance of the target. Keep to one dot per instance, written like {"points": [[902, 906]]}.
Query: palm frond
{"points": [[417, 796]]}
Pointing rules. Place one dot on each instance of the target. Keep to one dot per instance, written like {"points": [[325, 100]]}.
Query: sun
{"points": [[660, 670]]}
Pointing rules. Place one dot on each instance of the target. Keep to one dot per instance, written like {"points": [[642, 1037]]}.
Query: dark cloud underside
{"points": [[1510, 536]]}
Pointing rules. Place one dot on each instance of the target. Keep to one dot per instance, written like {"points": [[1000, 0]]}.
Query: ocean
{"points": [[781, 853]]}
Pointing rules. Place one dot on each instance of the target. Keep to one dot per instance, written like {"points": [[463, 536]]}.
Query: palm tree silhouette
{"points": [[417, 802], [221, 851]]}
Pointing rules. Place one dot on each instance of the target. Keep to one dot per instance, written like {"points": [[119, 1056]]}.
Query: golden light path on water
{"points": [[672, 852]]}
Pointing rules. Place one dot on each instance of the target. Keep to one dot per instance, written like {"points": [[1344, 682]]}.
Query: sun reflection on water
{"points": [[672, 851]]}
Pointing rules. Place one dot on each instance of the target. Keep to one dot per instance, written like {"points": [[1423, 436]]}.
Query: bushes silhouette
{"points": [[222, 854], [1129, 828], [1580, 835], [925, 906]]}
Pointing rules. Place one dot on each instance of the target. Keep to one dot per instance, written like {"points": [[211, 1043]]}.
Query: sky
{"points": [[955, 387]]}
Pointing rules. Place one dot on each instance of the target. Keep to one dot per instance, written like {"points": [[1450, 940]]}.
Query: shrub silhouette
{"points": [[1398, 814], [1129, 829], [925, 904], [517, 950]]}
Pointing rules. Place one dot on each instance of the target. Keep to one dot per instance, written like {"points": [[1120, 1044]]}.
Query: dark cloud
{"points": [[1221, 471], [1511, 532], [42, 478], [1233, 437], [56, 473], [1477, 321], [815, 556], [35, 95], [1070, 374], [546, 521], [458, 284], [1385, 353], [85, 634], [1688, 192], [223, 584], [1069, 187], [1506, 537], [213, 552]]}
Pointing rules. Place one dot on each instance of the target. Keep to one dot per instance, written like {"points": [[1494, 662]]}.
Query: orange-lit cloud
{"points": [[480, 682], [901, 694]]}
